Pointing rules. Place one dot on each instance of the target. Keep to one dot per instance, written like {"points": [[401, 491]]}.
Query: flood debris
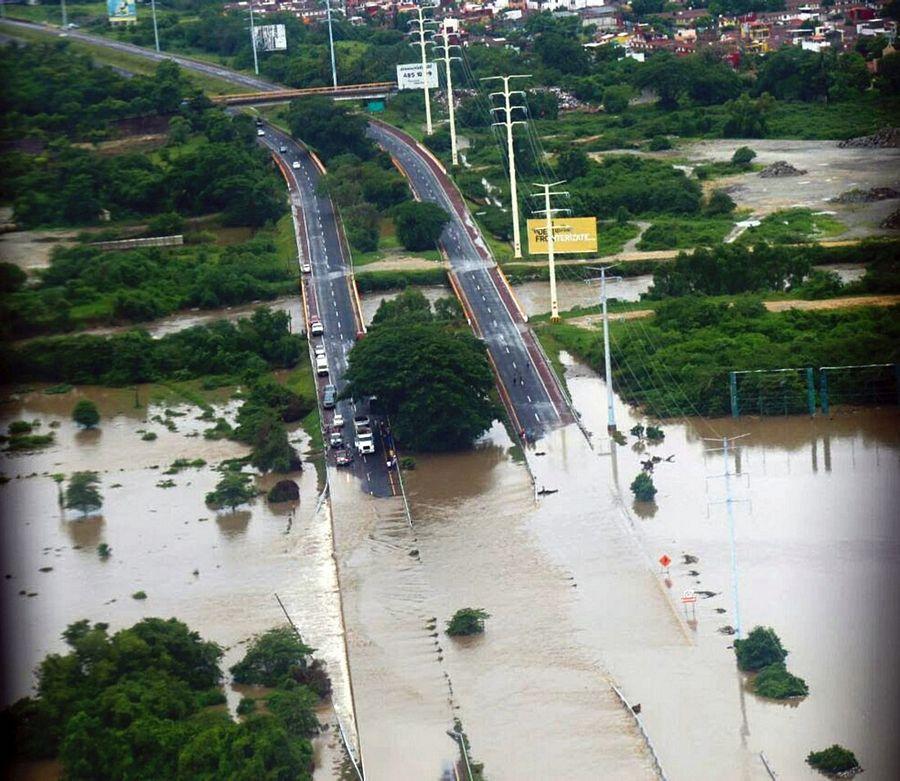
{"points": [[885, 138], [856, 195], [689, 559], [781, 168]]}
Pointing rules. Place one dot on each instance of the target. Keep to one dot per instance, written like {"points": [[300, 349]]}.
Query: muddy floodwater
{"points": [[218, 572], [818, 559]]}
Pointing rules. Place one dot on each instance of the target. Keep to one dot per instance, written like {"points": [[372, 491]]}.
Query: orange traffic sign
{"points": [[665, 560]]}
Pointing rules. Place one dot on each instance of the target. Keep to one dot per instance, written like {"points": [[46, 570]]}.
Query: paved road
{"points": [[529, 387], [328, 296]]}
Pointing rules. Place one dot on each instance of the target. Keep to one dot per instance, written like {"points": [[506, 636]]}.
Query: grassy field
{"points": [[794, 226], [686, 232]]}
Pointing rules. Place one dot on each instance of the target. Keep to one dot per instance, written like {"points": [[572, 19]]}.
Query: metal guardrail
{"points": [[640, 725]]}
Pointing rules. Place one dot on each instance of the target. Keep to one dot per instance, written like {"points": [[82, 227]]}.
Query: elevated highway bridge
{"points": [[374, 90]]}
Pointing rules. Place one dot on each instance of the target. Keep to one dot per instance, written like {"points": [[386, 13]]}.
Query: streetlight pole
{"points": [[155, 29], [445, 47], [331, 44], [65, 16], [253, 41], [508, 123]]}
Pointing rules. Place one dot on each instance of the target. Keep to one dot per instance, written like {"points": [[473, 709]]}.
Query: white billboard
{"points": [[410, 76], [270, 38]]}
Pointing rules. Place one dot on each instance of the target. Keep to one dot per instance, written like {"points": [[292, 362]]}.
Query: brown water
{"points": [[818, 551], [534, 297], [218, 572]]}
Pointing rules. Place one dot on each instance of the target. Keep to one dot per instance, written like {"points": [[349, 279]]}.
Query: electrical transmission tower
{"points": [[421, 27], [443, 45], [331, 43], [508, 122], [548, 213], [253, 42], [610, 405], [729, 502]]}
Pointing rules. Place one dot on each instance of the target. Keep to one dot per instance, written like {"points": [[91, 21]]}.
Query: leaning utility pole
{"points": [[420, 30], [155, 29], [253, 41], [445, 47], [331, 44], [508, 123], [607, 358], [548, 213], [729, 505]]}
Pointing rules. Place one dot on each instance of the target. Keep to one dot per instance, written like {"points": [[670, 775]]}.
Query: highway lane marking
{"points": [[507, 351], [536, 417], [528, 397], [514, 365]]}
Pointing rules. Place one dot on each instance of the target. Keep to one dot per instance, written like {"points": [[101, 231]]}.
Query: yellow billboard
{"points": [[571, 234]]}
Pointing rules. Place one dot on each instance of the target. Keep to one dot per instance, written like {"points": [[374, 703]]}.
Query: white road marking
{"points": [[536, 417], [528, 397]]}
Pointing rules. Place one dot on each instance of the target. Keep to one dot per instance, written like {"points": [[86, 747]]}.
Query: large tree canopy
{"points": [[430, 377]]}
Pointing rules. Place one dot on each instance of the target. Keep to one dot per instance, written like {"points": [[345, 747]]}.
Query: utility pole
{"points": [[155, 29], [253, 41], [420, 29], [548, 213], [331, 44], [729, 506], [508, 123], [65, 16], [445, 47], [607, 357]]}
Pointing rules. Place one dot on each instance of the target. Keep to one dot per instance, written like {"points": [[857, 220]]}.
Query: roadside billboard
{"points": [[411, 76], [121, 11], [270, 38], [571, 234]]}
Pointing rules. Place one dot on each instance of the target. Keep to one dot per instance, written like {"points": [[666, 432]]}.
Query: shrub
{"points": [[419, 225], [283, 491], [655, 434], [467, 621], [245, 706], [642, 487], [19, 427], [719, 202], [835, 759], [104, 551], [743, 156], [759, 649], [86, 414], [658, 144], [139, 595], [776, 682]]}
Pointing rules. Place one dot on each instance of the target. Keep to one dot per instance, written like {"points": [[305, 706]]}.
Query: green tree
{"points": [[616, 98], [232, 490], [12, 278], [432, 381], [888, 79], [777, 683], [571, 164], [719, 202], [179, 130], [745, 118], [743, 156], [642, 487], [467, 621], [82, 493], [86, 414], [759, 649], [329, 127], [272, 452], [419, 224], [835, 759], [271, 657]]}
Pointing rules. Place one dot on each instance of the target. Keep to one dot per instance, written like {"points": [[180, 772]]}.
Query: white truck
{"points": [[321, 365], [365, 443]]}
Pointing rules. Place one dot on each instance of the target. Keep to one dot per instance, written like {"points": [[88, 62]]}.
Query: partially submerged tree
{"points": [[835, 759], [232, 490], [759, 649], [467, 621], [86, 413], [82, 493], [642, 487]]}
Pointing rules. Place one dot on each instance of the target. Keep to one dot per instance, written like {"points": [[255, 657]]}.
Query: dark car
{"points": [[329, 397]]}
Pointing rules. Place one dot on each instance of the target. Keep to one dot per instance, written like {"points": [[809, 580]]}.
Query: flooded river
{"points": [[218, 572]]}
